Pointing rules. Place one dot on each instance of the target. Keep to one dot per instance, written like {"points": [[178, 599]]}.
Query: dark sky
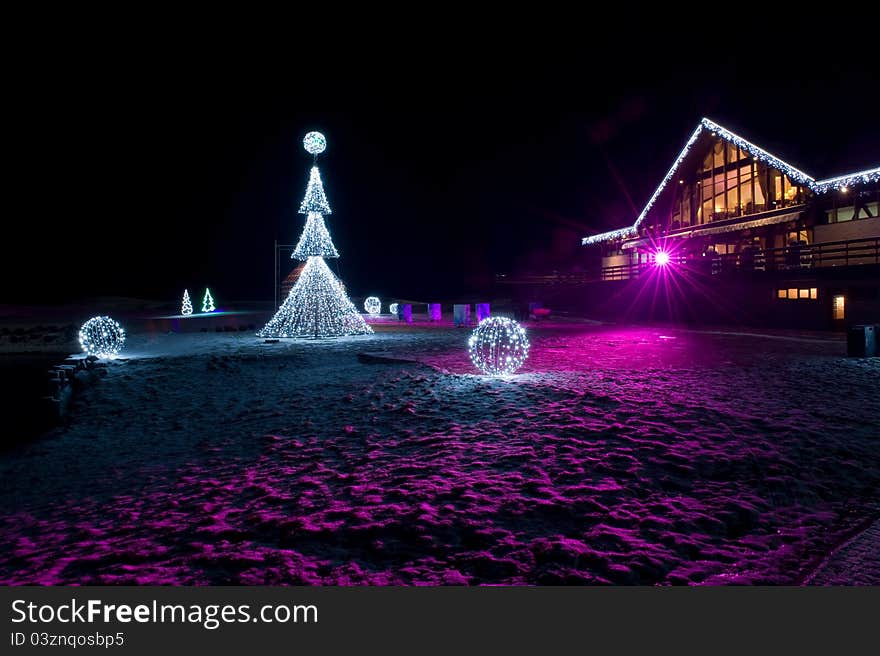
{"points": [[140, 177]]}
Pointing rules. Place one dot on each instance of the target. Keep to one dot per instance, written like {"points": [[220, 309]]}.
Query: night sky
{"points": [[140, 178]]}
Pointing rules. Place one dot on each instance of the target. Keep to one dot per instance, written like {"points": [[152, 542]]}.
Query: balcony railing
{"points": [[802, 257]]}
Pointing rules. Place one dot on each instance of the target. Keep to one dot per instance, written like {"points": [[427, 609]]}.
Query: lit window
{"points": [[814, 293], [838, 307], [792, 293], [803, 293], [781, 293]]}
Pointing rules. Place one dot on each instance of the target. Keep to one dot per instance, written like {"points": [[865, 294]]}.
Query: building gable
{"points": [[706, 129]]}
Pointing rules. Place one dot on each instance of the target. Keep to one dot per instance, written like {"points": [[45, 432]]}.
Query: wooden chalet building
{"points": [[749, 239]]}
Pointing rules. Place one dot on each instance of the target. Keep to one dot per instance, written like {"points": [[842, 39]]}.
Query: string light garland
{"points": [[759, 154], [315, 240], [317, 305], [102, 337], [208, 302], [373, 305], [187, 306], [315, 199], [498, 346], [393, 309], [841, 182]]}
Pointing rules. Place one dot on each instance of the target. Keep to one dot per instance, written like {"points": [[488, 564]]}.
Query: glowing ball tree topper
{"points": [[102, 337], [314, 143], [373, 305], [393, 308], [498, 346]]}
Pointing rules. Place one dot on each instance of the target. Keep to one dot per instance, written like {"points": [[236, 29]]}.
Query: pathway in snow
{"points": [[857, 562]]}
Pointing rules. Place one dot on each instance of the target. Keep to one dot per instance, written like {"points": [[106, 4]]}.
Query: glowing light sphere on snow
{"points": [[393, 308], [661, 258], [102, 337], [314, 143], [373, 305], [498, 346]]}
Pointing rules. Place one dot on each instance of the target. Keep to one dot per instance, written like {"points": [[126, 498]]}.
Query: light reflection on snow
{"points": [[614, 456]]}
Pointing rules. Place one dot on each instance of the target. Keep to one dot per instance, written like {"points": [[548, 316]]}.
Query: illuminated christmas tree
{"points": [[317, 305], [187, 307], [208, 302]]}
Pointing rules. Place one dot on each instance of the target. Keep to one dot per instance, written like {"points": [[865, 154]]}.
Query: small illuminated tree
{"points": [[187, 307], [208, 302]]}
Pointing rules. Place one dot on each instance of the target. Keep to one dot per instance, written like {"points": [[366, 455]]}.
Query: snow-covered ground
{"points": [[622, 455]]}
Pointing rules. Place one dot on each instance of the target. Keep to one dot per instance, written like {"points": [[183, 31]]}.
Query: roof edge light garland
{"points": [[820, 187], [862, 177]]}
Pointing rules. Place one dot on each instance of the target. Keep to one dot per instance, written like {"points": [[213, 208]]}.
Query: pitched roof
{"points": [[818, 186]]}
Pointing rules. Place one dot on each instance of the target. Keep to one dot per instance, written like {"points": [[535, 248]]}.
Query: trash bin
{"points": [[861, 341]]}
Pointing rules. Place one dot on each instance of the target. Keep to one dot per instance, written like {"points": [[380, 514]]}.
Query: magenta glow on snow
{"points": [[498, 346]]}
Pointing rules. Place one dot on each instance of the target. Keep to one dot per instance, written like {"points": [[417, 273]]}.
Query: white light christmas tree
{"points": [[315, 240], [187, 307], [315, 200], [317, 305], [208, 302]]}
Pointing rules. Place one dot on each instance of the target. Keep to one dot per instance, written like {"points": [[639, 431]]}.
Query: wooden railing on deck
{"points": [[852, 252]]}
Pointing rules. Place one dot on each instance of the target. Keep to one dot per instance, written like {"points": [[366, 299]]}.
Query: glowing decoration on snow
{"points": [[315, 240], [661, 258], [102, 337], [314, 143], [208, 302], [315, 199], [759, 154], [187, 306], [498, 346], [393, 309], [317, 305], [372, 305]]}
